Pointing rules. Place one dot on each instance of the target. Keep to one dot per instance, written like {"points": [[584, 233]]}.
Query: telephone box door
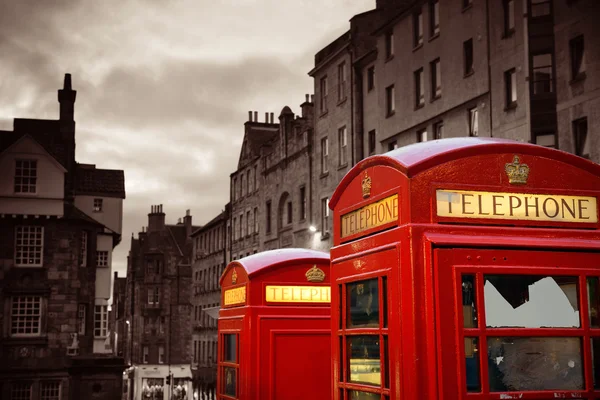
{"points": [[524, 322], [230, 338]]}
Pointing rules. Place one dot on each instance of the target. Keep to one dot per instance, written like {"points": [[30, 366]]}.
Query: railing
{"points": [[208, 392]]}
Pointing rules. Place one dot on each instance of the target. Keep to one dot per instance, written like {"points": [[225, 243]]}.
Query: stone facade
{"points": [[53, 266], [158, 308]]}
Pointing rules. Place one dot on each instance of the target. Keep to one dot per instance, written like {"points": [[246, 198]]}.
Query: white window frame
{"points": [[145, 354], [255, 219], [473, 122], [19, 389], [81, 311], [100, 321], [23, 180], [28, 254], [50, 390], [26, 311], [102, 258], [84, 248], [343, 145], [325, 215], [154, 296], [161, 354], [98, 205], [324, 155]]}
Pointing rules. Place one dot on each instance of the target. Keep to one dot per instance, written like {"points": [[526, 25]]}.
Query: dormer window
{"points": [[26, 176], [98, 205]]}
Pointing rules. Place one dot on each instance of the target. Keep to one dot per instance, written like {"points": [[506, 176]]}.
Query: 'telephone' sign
{"points": [[516, 206], [298, 294], [370, 216], [234, 296]]}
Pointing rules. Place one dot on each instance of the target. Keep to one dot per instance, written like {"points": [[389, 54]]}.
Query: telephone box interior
{"points": [[274, 327], [466, 268]]}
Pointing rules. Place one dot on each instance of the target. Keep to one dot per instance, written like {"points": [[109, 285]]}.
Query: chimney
{"points": [[249, 116], [156, 218], [255, 116], [66, 98], [187, 221], [266, 118], [272, 117], [307, 108], [312, 98]]}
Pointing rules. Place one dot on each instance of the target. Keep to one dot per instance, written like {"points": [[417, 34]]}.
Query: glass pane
{"points": [[341, 359], [356, 395], [363, 304], [340, 302], [468, 301], [364, 359], [230, 381], [386, 359], [385, 301], [535, 363], [472, 364], [230, 348], [596, 362], [531, 301], [592, 287]]}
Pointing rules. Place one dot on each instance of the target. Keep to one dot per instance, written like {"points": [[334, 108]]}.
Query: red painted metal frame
{"points": [[417, 358], [257, 323]]}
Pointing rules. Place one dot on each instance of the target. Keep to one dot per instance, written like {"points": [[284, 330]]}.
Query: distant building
{"points": [[158, 308], [60, 221], [209, 260]]}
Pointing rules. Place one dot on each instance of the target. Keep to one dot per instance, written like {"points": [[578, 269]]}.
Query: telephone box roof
{"points": [[256, 263], [419, 157]]}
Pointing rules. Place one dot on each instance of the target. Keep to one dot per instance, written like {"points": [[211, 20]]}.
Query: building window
{"points": [[101, 258], [582, 144], [26, 316], [473, 122], [372, 142], [510, 82], [343, 146], [419, 88], [81, 319], [255, 219], [242, 226], [543, 81], [26, 176], [289, 212], [434, 14], [546, 140], [146, 354], [389, 44], [418, 28], [390, 100], [325, 215], [467, 3], [324, 155], [100, 321], [98, 205], [438, 130], [242, 186], [50, 390], [422, 135], [392, 145], [233, 189], [233, 228], [577, 57], [255, 177], [509, 17], [302, 203], [436, 79], [342, 81], [154, 296], [268, 215], [370, 78], [248, 226], [541, 8], [161, 354], [324, 93], [29, 246], [249, 182], [468, 57], [84, 247], [21, 390]]}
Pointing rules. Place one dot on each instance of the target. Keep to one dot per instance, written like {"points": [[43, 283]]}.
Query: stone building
{"points": [[159, 282], [59, 223], [209, 261]]}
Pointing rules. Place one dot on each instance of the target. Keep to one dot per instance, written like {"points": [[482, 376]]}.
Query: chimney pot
{"points": [[187, 213], [312, 98], [307, 98], [272, 117], [249, 116], [266, 117], [255, 116]]}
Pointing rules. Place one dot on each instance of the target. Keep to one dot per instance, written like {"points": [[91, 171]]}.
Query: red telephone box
{"points": [[274, 327], [467, 269]]}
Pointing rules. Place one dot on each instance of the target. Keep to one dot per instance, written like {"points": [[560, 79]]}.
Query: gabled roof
{"points": [[47, 133], [74, 213], [178, 234], [93, 181], [23, 137]]}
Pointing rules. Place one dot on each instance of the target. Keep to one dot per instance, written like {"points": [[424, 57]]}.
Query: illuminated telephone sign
{"points": [[516, 206], [370, 216], [297, 294], [235, 296]]}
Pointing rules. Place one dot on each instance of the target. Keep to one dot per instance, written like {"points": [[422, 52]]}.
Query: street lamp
{"points": [[312, 228]]}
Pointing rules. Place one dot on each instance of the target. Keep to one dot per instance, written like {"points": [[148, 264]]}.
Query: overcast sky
{"points": [[163, 86]]}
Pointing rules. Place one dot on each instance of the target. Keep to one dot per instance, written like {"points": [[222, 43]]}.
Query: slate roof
{"points": [[47, 133], [209, 224], [94, 181], [180, 238]]}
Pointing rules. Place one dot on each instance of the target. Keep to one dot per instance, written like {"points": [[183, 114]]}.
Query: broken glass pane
{"points": [[534, 363], [364, 359], [468, 301], [528, 301], [363, 304]]}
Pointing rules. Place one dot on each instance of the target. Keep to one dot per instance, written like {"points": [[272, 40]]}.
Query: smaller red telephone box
{"points": [[274, 327]]}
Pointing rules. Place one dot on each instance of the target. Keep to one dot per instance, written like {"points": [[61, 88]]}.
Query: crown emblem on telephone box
{"points": [[315, 274], [517, 172], [233, 277], [366, 186]]}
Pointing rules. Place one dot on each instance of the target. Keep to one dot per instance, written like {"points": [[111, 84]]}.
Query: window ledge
{"points": [[323, 114], [511, 106], [26, 340], [508, 34], [323, 174], [390, 114], [389, 58], [468, 74], [419, 106], [467, 7], [434, 98], [343, 166], [342, 101], [579, 78], [325, 236], [433, 37], [417, 47]]}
